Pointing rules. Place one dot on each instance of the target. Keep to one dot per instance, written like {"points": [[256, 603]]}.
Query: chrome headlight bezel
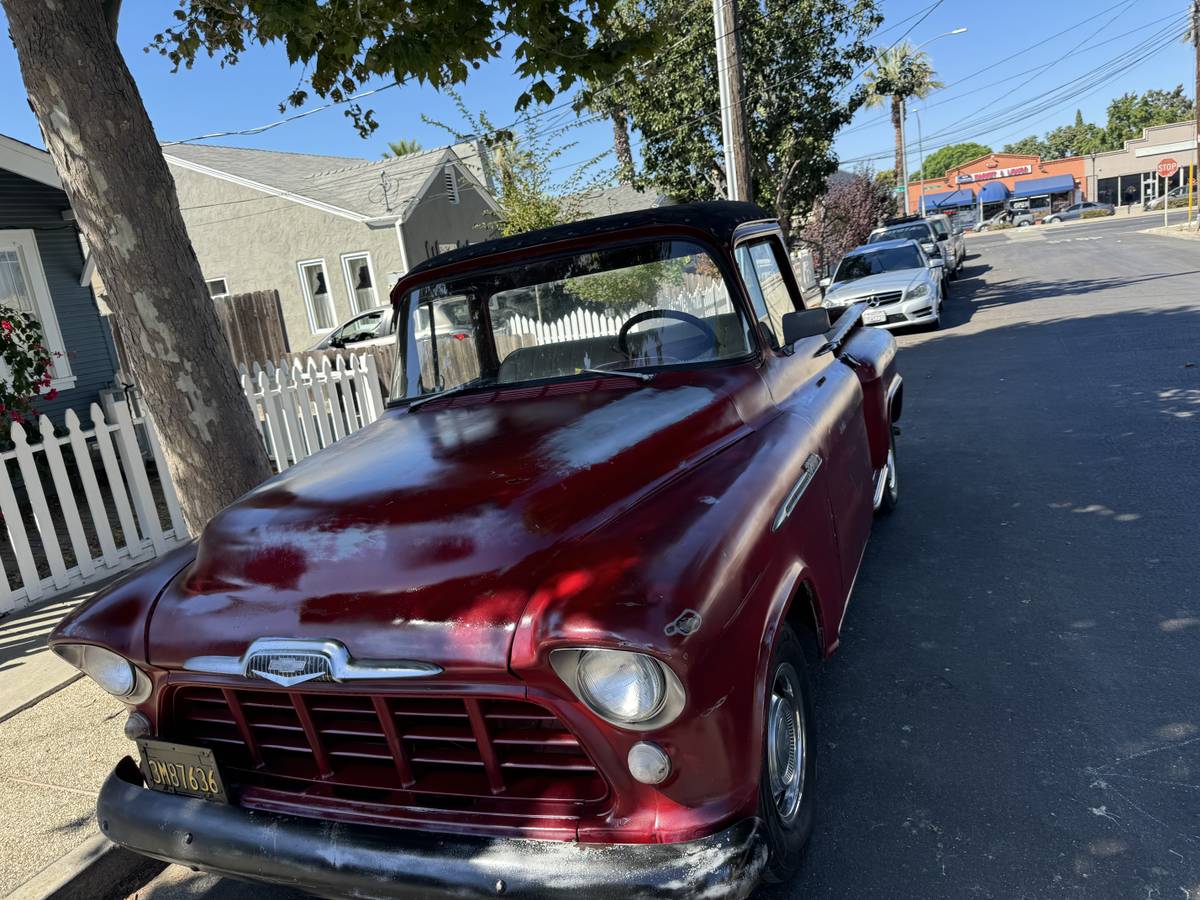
{"points": [[918, 292], [109, 669], [567, 662]]}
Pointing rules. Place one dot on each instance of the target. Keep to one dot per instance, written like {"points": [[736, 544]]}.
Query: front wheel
{"points": [[785, 795], [1053, 221]]}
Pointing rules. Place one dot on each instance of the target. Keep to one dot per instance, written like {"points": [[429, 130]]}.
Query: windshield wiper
{"points": [[467, 386], [640, 376]]}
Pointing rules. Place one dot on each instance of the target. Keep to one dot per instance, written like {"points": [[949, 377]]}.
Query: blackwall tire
{"points": [[787, 818]]}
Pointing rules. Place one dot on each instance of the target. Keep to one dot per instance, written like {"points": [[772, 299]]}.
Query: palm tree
{"points": [[402, 147], [900, 72]]}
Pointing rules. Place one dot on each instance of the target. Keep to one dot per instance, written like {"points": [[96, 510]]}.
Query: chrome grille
{"points": [[400, 758], [885, 298]]}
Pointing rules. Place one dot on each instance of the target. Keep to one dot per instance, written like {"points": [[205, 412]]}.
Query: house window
{"points": [[217, 288], [451, 184], [315, 283], [23, 287], [360, 281]]}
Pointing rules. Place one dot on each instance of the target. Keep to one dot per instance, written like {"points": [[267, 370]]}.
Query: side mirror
{"points": [[937, 263], [824, 282], [799, 325]]}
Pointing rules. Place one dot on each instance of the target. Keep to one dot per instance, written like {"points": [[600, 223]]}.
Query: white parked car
{"points": [[952, 237], [901, 283], [921, 231]]}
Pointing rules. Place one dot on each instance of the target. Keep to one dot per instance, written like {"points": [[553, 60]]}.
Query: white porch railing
{"points": [[302, 408], [81, 506]]}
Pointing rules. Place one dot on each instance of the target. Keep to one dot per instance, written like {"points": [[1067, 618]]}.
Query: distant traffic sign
{"points": [[1167, 167]]}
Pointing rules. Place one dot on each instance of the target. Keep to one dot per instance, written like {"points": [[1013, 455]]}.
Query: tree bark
{"points": [[898, 127], [620, 124], [105, 150]]}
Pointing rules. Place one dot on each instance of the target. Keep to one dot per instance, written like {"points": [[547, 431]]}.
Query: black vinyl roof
{"points": [[720, 218]]}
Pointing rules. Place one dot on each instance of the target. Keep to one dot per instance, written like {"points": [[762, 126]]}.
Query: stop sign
{"points": [[1167, 167]]}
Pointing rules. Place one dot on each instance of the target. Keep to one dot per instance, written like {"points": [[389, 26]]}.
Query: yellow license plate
{"points": [[179, 769]]}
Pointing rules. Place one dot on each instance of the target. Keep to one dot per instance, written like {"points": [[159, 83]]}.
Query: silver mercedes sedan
{"points": [[899, 281]]}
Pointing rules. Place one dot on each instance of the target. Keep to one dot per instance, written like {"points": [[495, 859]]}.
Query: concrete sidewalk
{"points": [[28, 670], [59, 738], [56, 755]]}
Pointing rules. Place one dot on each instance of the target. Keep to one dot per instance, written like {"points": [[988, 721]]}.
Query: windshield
{"points": [[876, 262], [663, 303], [939, 227], [916, 232]]}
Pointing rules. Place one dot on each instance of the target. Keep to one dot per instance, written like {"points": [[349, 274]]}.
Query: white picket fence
{"points": [[81, 506], [304, 407]]}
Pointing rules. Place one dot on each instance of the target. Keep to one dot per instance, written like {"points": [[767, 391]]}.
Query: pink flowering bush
{"points": [[25, 371]]}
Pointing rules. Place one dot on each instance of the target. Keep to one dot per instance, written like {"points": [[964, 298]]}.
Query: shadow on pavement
{"points": [[1013, 708]]}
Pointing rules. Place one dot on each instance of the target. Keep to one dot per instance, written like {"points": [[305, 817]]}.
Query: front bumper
{"points": [[899, 315], [335, 859]]}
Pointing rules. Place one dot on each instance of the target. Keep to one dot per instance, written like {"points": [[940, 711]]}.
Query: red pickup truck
{"points": [[543, 629]]}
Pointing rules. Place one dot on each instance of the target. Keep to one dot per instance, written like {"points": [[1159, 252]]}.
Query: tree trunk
{"points": [[898, 127], [113, 170], [620, 126]]}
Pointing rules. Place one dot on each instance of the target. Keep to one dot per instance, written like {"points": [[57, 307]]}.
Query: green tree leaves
{"points": [[345, 45], [1128, 116], [937, 163], [798, 58]]}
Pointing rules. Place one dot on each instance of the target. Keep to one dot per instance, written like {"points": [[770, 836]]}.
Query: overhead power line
{"points": [[1048, 101]]}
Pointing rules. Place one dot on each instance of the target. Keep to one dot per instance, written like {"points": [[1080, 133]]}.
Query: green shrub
{"points": [[1094, 214]]}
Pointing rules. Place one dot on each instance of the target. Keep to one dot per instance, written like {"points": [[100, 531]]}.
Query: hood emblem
{"points": [[289, 670], [288, 662]]}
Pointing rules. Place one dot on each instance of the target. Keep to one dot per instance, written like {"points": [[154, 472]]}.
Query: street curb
{"points": [[40, 697], [95, 870]]}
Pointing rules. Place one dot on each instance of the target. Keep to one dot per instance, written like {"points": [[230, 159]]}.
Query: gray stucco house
{"points": [[42, 271], [331, 234]]}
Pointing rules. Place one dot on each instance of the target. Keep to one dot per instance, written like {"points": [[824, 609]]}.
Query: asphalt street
{"points": [[1015, 708]]}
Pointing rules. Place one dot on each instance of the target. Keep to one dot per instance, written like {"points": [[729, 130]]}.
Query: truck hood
{"points": [[423, 536]]}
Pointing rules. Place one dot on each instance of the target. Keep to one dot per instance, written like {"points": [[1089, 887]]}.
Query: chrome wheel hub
{"points": [[786, 749], [892, 486]]}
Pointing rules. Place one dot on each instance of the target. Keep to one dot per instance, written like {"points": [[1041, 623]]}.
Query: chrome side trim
{"points": [[881, 478], [789, 504], [891, 392], [342, 667]]}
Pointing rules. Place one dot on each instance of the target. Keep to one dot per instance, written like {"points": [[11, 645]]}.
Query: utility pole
{"points": [[903, 173], [920, 160], [1196, 97], [733, 112]]}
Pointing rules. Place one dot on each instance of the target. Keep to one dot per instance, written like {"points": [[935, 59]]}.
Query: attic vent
{"points": [[451, 185]]}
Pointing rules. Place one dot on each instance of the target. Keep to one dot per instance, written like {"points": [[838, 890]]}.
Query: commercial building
{"points": [[987, 183], [1122, 177], [1128, 176]]}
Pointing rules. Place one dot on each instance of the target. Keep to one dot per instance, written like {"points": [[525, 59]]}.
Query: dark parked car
{"points": [[1079, 210], [544, 628]]}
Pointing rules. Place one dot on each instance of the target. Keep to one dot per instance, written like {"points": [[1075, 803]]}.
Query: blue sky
{"points": [[210, 99]]}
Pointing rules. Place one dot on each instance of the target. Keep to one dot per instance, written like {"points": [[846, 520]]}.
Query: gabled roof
{"points": [[720, 218], [351, 187], [28, 161], [620, 199]]}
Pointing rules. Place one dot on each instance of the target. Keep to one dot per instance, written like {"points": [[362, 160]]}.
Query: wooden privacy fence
{"points": [[253, 325], [82, 506], [303, 408]]}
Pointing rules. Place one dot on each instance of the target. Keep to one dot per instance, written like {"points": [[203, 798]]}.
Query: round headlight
{"points": [[626, 687], [111, 671]]}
